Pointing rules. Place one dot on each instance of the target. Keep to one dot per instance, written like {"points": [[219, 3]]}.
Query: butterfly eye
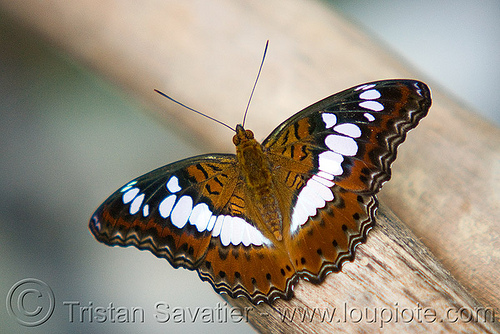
{"points": [[249, 134], [236, 140]]}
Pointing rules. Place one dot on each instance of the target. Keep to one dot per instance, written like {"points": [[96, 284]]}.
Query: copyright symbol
{"points": [[31, 302]]}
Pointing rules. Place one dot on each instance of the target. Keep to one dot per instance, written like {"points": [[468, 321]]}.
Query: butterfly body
{"points": [[295, 206], [258, 183]]}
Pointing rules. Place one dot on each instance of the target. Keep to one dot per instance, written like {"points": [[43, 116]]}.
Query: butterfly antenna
{"points": [[255, 83], [196, 111]]}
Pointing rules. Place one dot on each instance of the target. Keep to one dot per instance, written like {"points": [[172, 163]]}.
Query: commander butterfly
{"points": [[295, 206]]}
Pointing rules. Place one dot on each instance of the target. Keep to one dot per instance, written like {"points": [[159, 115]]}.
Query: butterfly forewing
{"points": [[327, 163], [170, 211], [361, 126]]}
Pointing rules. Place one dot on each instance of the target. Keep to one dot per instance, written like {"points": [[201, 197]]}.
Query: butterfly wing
{"points": [[170, 211], [195, 214], [330, 160]]}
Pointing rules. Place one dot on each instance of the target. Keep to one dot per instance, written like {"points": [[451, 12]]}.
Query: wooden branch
{"points": [[394, 284], [445, 181]]}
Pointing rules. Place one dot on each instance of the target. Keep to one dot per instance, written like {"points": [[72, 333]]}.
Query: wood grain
{"points": [[446, 180]]}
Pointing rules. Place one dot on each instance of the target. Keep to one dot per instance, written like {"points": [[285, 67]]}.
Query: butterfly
{"points": [[295, 206]]}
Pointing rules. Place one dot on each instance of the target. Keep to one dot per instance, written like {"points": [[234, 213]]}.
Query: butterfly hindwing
{"points": [[241, 259], [259, 272], [329, 238]]}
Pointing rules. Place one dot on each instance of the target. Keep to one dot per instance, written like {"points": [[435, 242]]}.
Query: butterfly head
{"points": [[242, 135]]}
